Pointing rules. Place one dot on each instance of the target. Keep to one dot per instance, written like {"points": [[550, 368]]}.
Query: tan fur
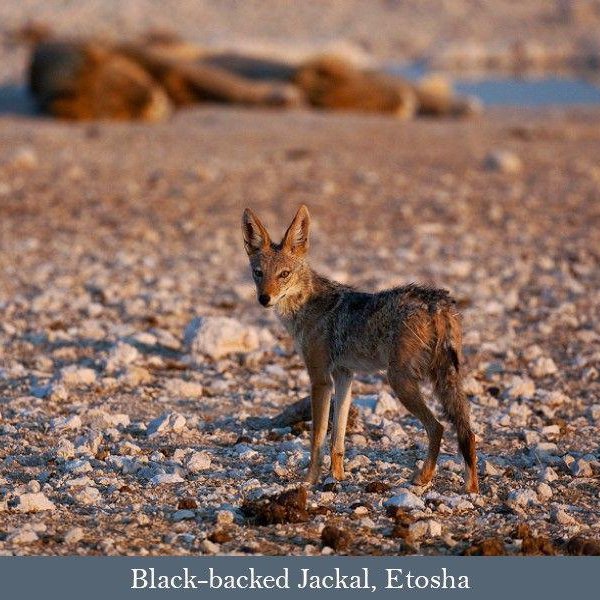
{"points": [[89, 79], [84, 80], [333, 83], [412, 332]]}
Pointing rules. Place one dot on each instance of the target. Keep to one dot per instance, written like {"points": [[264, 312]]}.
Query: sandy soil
{"points": [[114, 236]]}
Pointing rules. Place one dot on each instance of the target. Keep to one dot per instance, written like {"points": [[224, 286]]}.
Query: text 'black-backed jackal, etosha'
{"points": [[412, 331]]}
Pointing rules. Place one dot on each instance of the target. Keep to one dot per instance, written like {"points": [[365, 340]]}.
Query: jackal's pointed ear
{"points": [[256, 236], [296, 237]]}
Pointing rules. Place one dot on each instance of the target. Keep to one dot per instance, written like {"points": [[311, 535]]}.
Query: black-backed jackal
{"points": [[413, 332]]}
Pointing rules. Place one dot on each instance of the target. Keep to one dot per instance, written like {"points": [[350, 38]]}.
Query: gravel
{"points": [[33, 502], [104, 251]]}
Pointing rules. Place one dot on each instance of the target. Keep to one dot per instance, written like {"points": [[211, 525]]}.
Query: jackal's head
{"points": [[278, 269]]}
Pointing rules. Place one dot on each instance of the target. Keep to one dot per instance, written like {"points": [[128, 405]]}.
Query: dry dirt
{"points": [[113, 237]]}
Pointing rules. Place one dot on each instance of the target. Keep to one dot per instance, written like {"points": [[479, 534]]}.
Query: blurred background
{"points": [[117, 233], [505, 52]]}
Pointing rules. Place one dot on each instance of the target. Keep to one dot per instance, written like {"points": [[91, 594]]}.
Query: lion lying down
{"points": [[146, 80]]}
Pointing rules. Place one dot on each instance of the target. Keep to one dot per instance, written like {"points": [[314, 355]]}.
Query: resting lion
{"points": [[93, 79]]}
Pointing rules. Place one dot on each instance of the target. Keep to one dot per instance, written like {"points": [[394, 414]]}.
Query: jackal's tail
{"points": [[447, 377]]}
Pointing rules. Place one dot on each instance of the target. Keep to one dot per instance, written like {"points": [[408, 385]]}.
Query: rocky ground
{"points": [[128, 424]]}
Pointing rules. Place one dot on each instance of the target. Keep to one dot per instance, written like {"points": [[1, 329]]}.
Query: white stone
{"points": [[82, 481], [165, 423], [58, 393], [220, 336], [551, 431], [122, 355], [102, 419], [562, 517], [555, 399], [129, 449], [74, 535], [385, 403], [393, 430], [198, 461], [547, 448], [521, 387], [549, 475], [532, 352], [531, 437], [66, 423], [34, 486], [276, 371], [22, 535], [451, 464], [74, 376], [435, 528], [65, 449], [522, 497], [126, 464], [405, 499], [88, 495], [472, 387], [135, 376], [78, 466], [543, 366], [359, 461], [34, 502], [182, 388], [490, 468], [544, 491], [89, 443], [245, 452], [418, 529], [166, 478]]}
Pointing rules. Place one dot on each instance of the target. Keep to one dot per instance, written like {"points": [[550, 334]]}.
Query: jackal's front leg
{"points": [[342, 379], [320, 400]]}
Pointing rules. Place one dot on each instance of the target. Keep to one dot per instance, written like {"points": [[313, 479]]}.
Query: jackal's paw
{"points": [[472, 487], [338, 474], [337, 465], [422, 478], [311, 477]]}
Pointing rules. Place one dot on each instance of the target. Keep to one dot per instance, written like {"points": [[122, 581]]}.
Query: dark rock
{"points": [[581, 546], [487, 547], [336, 537], [187, 504], [220, 536], [286, 507], [377, 487]]}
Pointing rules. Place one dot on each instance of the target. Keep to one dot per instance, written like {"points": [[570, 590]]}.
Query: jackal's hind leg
{"points": [[407, 389]]}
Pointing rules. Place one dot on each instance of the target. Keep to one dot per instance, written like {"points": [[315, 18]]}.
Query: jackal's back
{"points": [[366, 330]]}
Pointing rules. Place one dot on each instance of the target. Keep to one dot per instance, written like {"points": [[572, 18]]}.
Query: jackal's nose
{"points": [[264, 299]]}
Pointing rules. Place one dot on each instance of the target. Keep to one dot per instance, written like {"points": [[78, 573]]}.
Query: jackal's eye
{"points": [[284, 274], [257, 273]]}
